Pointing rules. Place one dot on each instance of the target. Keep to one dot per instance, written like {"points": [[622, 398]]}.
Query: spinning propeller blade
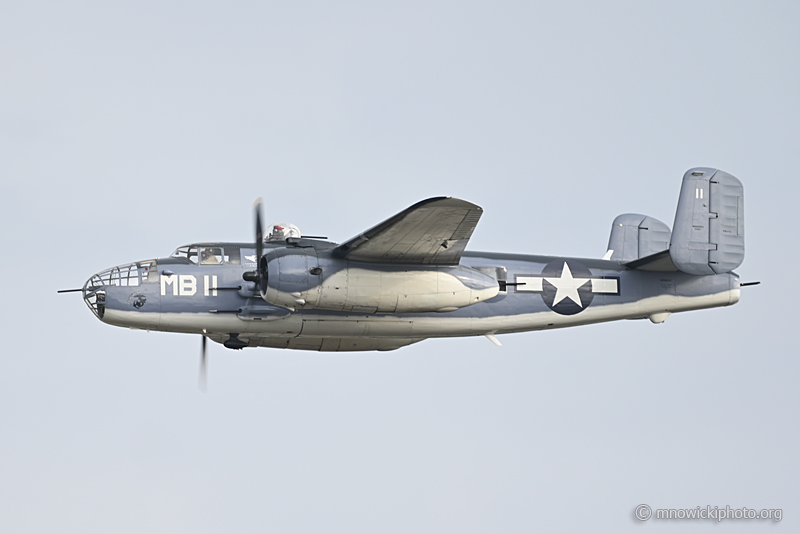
{"points": [[259, 276], [261, 271], [201, 379], [259, 229]]}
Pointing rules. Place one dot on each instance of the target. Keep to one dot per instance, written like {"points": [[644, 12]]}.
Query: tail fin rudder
{"points": [[708, 234], [635, 236]]}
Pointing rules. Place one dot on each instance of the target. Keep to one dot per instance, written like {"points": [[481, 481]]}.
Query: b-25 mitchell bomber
{"points": [[410, 278]]}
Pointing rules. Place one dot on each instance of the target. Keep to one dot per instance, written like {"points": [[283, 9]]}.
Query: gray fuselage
{"points": [[186, 294]]}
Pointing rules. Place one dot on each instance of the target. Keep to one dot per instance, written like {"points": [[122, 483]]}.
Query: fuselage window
{"points": [[233, 256]]}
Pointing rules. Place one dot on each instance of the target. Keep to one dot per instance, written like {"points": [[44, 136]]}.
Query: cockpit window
{"points": [[211, 256]]}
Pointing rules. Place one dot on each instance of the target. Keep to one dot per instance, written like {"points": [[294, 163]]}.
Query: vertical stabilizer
{"points": [[635, 236], [708, 234]]}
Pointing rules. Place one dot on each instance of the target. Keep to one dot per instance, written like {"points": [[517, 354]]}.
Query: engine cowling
{"points": [[300, 279]]}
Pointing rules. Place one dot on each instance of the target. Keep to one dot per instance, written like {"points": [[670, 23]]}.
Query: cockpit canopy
{"points": [[209, 254]]}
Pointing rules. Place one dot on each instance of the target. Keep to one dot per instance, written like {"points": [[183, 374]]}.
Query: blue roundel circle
{"points": [[567, 286]]}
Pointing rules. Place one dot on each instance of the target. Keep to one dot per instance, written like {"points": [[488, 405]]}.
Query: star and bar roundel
{"points": [[567, 286]]}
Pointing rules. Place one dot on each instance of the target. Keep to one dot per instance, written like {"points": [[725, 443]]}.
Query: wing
{"points": [[435, 230]]}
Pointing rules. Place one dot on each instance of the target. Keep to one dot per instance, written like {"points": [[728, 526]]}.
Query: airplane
{"points": [[410, 278]]}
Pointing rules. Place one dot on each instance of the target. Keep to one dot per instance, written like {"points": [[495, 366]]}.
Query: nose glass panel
{"points": [[94, 290], [95, 298]]}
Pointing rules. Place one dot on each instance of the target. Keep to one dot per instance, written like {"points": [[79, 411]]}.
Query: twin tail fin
{"points": [[707, 237]]}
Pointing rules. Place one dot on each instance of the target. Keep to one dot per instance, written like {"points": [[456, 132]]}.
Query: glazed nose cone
{"points": [[94, 294]]}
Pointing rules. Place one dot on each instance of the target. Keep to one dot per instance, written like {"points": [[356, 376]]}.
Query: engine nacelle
{"points": [[299, 279]]}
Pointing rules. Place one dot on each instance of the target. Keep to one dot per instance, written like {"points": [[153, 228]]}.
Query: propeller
{"points": [[259, 276], [259, 228], [261, 270], [201, 379]]}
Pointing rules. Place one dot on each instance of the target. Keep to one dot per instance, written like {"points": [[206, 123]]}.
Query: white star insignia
{"points": [[567, 286]]}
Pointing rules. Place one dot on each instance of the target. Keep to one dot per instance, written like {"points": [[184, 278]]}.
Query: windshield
{"points": [[188, 252]]}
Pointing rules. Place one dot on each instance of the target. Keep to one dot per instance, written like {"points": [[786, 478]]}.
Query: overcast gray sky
{"points": [[128, 130]]}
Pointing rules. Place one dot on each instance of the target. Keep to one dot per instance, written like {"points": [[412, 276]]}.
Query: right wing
{"points": [[435, 230]]}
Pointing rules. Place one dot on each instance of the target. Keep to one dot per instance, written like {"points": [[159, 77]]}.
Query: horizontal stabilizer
{"points": [[708, 234], [660, 261]]}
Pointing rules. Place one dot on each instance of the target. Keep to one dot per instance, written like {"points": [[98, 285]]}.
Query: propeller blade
{"points": [[256, 276], [259, 230], [260, 274], [201, 379]]}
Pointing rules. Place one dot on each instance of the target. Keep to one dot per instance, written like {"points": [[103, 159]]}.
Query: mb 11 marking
{"points": [[185, 285]]}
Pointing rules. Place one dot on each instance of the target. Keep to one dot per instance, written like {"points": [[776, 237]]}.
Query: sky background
{"points": [[128, 130]]}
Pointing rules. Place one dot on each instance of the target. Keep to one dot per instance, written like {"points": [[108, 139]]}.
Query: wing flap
{"points": [[435, 230]]}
